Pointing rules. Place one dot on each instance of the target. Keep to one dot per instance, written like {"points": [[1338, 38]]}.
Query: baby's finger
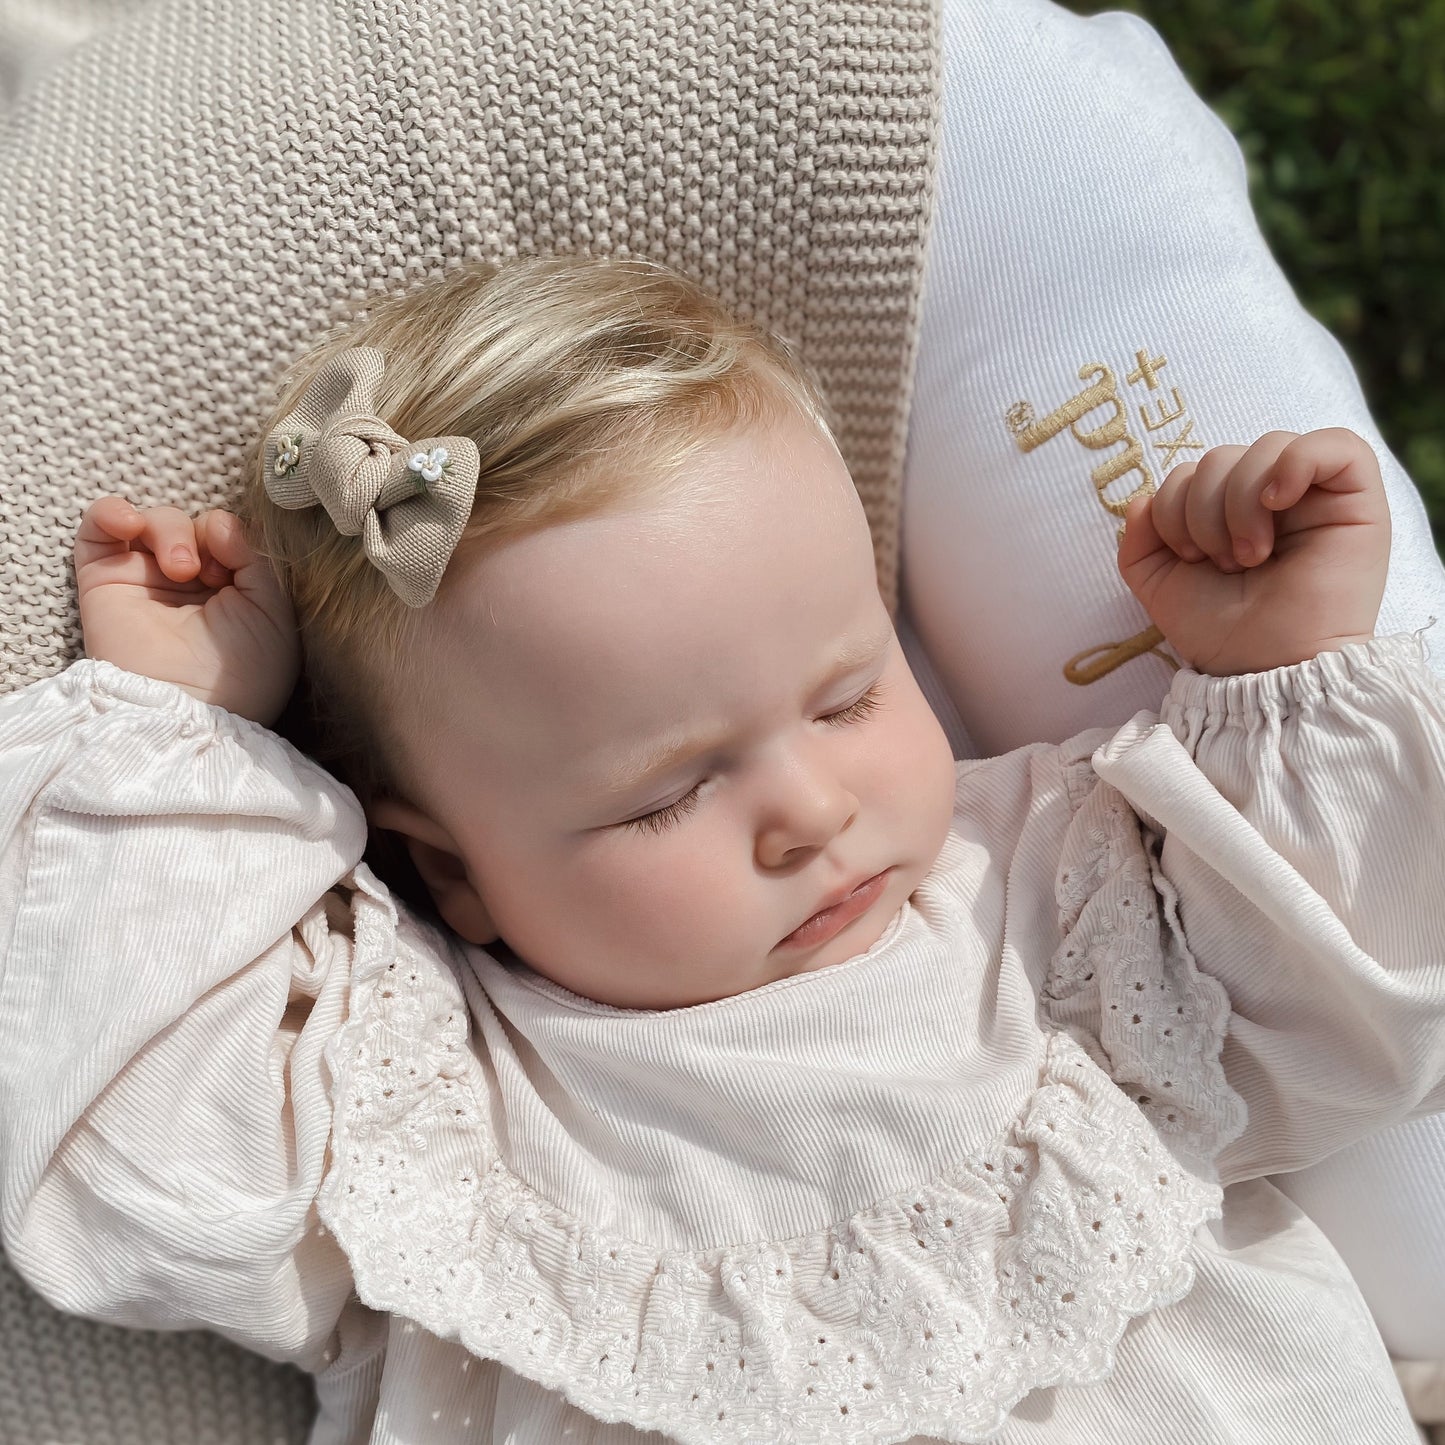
{"points": [[1141, 550], [252, 574], [1250, 524], [105, 529], [170, 535], [1204, 507], [1333, 458], [222, 546], [224, 541], [1168, 514]]}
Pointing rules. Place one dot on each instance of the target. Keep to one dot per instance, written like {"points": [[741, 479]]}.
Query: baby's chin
{"points": [[849, 943]]}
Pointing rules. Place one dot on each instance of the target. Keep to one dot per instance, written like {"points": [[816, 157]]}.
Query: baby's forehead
{"points": [[581, 700], [623, 618]]}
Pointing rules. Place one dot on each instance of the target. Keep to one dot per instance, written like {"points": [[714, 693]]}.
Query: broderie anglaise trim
{"points": [[928, 1313], [1123, 981]]}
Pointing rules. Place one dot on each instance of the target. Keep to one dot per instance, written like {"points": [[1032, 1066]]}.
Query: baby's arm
{"points": [[1301, 812], [163, 1093], [1300, 805], [172, 966]]}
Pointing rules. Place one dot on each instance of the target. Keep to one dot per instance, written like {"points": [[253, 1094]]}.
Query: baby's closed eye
{"points": [[658, 820]]}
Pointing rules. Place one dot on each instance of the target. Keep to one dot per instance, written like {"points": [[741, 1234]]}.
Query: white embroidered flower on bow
{"points": [[428, 466], [288, 453]]}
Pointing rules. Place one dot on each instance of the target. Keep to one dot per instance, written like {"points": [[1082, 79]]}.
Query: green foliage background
{"points": [[1339, 107]]}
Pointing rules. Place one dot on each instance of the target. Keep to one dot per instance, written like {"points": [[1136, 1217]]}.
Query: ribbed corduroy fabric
{"points": [[633, 1213]]}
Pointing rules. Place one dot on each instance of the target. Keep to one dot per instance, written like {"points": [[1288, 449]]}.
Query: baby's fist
{"points": [[1258, 557], [186, 601]]}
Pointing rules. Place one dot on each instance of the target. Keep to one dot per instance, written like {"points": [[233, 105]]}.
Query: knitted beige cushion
{"points": [[66, 1381], [189, 189]]}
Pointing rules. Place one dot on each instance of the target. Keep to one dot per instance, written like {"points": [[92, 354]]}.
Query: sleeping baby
{"points": [[730, 1064]]}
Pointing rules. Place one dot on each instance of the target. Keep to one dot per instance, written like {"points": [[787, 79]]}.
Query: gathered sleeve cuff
{"points": [[174, 957], [1295, 820]]}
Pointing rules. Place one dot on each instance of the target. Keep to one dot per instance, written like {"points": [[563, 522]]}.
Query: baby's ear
{"points": [[440, 866]]}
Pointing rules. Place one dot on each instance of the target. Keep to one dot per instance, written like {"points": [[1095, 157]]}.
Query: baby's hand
{"points": [[216, 623], [1253, 558]]}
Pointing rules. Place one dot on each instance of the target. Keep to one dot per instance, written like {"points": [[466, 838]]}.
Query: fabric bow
{"points": [[410, 501]]}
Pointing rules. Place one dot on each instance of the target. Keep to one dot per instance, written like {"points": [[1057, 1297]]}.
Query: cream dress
{"points": [[997, 1178]]}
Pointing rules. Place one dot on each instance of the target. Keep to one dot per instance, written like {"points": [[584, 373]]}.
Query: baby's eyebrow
{"points": [[635, 766]]}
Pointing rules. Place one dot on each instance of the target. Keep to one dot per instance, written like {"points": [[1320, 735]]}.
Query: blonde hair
{"points": [[582, 381]]}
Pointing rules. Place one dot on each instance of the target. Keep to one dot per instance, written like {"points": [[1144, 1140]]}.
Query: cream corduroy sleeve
{"points": [[1297, 816], [169, 978]]}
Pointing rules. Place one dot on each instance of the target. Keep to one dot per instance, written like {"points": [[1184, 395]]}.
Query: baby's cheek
{"points": [[704, 887], [928, 780], [663, 893], [688, 934]]}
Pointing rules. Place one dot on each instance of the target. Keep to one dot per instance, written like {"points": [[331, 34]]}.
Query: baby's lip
{"points": [[846, 891], [836, 898]]}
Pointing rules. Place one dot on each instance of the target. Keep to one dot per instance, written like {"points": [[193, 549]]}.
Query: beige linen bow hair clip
{"points": [[410, 501]]}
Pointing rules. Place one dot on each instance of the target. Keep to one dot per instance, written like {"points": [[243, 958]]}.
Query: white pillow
{"points": [[1094, 268], [1093, 230]]}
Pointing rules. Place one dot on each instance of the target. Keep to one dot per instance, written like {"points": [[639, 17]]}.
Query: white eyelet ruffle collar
{"points": [[1012, 1265]]}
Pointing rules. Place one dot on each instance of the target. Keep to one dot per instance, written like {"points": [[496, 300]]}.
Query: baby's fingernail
{"points": [[1244, 549], [1271, 492], [181, 556]]}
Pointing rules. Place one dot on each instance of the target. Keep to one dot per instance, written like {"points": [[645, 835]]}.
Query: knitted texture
{"points": [[192, 193], [66, 1381]]}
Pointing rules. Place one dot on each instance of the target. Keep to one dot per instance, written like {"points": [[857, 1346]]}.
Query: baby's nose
{"points": [[804, 811]]}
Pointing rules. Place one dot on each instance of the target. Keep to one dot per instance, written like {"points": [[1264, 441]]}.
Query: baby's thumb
{"points": [[1139, 536], [1144, 558], [223, 536], [255, 578]]}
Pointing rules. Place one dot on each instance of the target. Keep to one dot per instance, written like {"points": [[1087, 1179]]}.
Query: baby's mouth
{"points": [[832, 920]]}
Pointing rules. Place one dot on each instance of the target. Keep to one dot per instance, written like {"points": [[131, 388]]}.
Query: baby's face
{"points": [[670, 734]]}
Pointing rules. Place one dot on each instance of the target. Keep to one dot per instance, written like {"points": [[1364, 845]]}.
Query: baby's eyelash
{"points": [[661, 819], [856, 712]]}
